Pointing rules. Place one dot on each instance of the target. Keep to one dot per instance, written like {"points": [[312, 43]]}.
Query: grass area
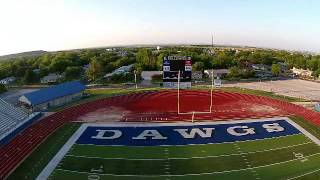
{"points": [[311, 128], [33, 165], [153, 152], [186, 165]]}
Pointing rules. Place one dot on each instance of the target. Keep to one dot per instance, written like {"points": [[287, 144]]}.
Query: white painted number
{"points": [[95, 173], [93, 177], [300, 157]]}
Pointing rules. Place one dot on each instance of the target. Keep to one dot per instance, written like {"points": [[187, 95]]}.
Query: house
{"points": [[209, 51], [53, 96], [111, 49], [216, 72], [147, 75], [51, 78], [301, 72], [122, 53], [317, 107], [36, 71], [261, 67], [263, 74], [284, 67], [120, 70], [7, 80], [197, 75], [86, 67]]}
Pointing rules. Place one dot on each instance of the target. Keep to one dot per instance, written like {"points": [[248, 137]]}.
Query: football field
{"points": [[266, 149]]}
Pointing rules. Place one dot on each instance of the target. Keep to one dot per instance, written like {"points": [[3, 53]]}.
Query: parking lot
{"points": [[292, 87]]}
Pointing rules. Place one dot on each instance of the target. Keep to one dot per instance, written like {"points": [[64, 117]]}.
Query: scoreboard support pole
{"points": [[178, 92]]}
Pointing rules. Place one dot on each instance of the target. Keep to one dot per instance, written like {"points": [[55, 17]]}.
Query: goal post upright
{"points": [[211, 93], [195, 112]]}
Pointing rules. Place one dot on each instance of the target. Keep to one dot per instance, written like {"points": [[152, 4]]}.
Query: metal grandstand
{"points": [[11, 118]]}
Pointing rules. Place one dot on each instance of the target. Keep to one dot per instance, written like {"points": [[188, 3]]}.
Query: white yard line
{"points": [[306, 133], [195, 157], [199, 174], [305, 174]]}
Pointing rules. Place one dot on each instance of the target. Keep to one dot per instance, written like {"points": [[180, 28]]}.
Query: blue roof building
{"points": [[53, 96]]}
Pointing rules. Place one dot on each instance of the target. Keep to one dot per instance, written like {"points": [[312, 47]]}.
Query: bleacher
{"points": [[12, 120]]}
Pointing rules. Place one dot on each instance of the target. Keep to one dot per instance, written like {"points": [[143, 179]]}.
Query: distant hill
{"points": [[23, 54]]}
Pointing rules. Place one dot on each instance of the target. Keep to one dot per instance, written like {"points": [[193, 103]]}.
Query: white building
{"points": [[7, 80], [120, 70], [51, 78], [147, 75], [301, 72], [122, 53], [216, 72], [197, 75]]}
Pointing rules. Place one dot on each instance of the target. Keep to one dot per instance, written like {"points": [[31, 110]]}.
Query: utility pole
{"points": [[212, 40], [135, 78]]}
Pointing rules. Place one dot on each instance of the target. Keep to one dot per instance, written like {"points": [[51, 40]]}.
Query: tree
{"points": [[30, 77], [160, 61], [234, 72], [59, 65], [145, 60], [313, 64], [2, 88], [198, 66], [316, 73], [94, 70], [276, 69], [44, 72], [73, 72]]}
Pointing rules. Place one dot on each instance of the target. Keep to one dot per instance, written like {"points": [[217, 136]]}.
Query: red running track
{"points": [[152, 106]]}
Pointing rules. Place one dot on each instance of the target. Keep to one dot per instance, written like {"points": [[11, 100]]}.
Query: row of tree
{"points": [[68, 63], [102, 62]]}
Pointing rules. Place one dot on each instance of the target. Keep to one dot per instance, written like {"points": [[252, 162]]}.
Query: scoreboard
{"points": [[171, 67]]}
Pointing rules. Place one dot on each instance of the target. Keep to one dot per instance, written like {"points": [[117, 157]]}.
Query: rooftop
{"points": [[48, 94]]}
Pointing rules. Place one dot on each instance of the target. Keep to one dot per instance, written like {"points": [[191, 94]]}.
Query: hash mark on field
{"points": [[246, 161], [167, 162]]}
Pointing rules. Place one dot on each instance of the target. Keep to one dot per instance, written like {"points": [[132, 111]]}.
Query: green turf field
{"points": [[286, 157]]}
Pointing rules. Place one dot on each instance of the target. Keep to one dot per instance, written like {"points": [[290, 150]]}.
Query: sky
{"points": [[27, 25]]}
